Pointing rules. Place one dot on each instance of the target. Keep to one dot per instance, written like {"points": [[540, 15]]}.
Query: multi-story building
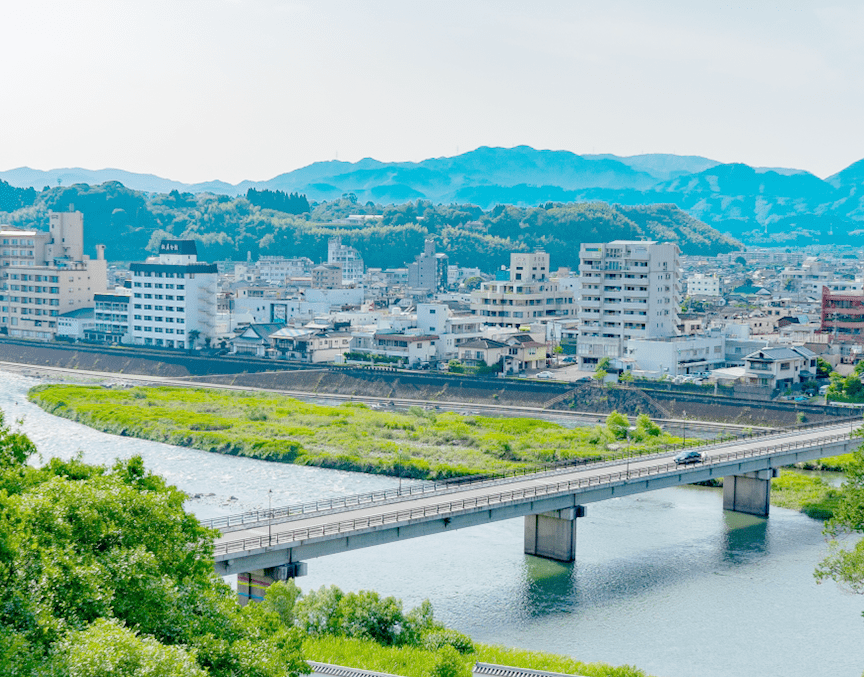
{"points": [[347, 258], [327, 276], [173, 297], [843, 316], [701, 284], [276, 270], [628, 290], [528, 296], [429, 270], [111, 319], [44, 275], [452, 328]]}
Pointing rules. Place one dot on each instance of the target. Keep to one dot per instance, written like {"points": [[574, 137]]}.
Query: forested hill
{"points": [[759, 206], [132, 223]]}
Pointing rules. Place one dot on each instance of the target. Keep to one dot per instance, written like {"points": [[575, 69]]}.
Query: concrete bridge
{"points": [[270, 545]]}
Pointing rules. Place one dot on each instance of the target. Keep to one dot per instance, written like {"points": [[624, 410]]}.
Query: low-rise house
{"points": [[414, 350], [256, 339], [74, 324], [311, 345], [483, 351], [780, 367]]}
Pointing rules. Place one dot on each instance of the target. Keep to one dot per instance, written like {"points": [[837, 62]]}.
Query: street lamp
{"points": [[627, 433], [684, 427], [269, 516]]}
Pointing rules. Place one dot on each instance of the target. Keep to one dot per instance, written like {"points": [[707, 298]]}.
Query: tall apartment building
{"points": [[347, 258], [628, 290], [528, 296], [43, 275], [429, 270], [173, 297]]}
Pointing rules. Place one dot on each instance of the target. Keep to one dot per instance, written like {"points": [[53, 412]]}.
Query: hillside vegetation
{"points": [[132, 223], [760, 206]]}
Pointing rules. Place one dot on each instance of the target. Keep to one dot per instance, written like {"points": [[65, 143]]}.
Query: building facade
{"points": [[173, 297], [528, 296], [429, 270], [44, 275], [628, 290], [347, 258]]}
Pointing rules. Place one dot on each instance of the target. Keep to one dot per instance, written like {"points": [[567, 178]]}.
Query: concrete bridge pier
{"points": [[750, 492], [553, 534], [252, 585]]}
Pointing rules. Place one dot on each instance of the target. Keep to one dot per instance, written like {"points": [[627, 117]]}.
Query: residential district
{"points": [[760, 318]]}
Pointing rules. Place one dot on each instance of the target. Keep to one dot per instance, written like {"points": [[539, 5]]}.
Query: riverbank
{"points": [[422, 443]]}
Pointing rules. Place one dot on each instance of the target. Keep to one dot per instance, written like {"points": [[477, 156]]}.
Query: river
{"points": [[666, 581]]}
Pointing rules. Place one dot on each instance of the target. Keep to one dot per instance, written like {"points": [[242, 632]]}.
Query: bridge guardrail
{"points": [[340, 503], [338, 527]]}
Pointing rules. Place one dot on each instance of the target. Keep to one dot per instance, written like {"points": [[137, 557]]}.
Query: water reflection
{"points": [[745, 537]]}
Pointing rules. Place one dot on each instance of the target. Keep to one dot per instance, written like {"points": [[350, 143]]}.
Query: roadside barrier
{"points": [[504, 497]]}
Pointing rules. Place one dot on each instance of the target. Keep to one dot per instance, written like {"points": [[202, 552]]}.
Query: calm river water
{"points": [[666, 581]]}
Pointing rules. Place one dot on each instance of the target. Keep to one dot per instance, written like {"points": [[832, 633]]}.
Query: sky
{"points": [[248, 89]]}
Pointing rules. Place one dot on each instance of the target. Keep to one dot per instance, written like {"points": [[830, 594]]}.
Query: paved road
{"points": [[337, 522], [382, 402]]}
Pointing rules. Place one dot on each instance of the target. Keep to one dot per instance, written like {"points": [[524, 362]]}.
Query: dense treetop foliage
{"points": [[102, 572], [278, 201], [132, 223]]}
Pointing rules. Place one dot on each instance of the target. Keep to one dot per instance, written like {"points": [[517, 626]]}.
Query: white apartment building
{"points": [[173, 297], [43, 275], [701, 284], [529, 296], [347, 258], [276, 270], [453, 329], [628, 290]]}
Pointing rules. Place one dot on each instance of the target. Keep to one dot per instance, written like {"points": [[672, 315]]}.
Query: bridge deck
{"points": [[527, 494]]}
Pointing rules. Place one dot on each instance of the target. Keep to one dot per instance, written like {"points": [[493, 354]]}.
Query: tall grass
{"points": [[417, 662], [417, 443]]}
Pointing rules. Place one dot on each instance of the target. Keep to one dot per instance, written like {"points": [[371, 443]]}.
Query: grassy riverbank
{"points": [[806, 493], [410, 661], [419, 443]]}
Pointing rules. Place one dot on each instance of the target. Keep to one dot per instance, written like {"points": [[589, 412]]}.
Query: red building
{"points": [[843, 316]]}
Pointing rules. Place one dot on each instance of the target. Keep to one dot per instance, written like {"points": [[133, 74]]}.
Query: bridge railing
{"points": [[408, 491], [502, 497]]}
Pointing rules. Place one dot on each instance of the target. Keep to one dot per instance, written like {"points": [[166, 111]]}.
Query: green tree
{"points": [[846, 564], [108, 648], [618, 425], [647, 427], [88, 552], [472, 283]]}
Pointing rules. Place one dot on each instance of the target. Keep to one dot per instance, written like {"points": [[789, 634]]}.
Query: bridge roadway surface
{"points": [[285, 535]]}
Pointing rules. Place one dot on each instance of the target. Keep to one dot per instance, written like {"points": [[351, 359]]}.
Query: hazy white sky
{"points": [[247, 89]]}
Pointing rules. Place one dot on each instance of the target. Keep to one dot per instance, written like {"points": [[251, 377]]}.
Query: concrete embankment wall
{"points": [[385, 383], [125, 360], [557, 396]]}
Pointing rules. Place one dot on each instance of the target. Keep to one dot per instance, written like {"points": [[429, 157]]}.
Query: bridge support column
{"points": [[750, 492], [252, 585], [553, 534]]}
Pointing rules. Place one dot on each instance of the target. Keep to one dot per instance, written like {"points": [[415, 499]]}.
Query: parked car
{"points": [[545, 374], [569, 358], [689, 456]]}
